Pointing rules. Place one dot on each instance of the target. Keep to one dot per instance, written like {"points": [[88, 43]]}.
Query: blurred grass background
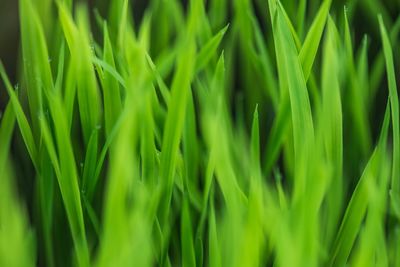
{"points": [[363, 22]]}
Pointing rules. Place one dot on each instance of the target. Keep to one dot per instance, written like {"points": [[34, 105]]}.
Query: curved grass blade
{"points": [[310, 46], [394, 105], [23, 124], [303, 129], [111, 92]]}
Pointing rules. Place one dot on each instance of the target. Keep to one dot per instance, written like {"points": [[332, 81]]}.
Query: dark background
{"points": [[362, 23], [9, 42]]}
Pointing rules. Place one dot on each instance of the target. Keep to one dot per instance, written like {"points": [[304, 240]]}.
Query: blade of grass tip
{"points": [[357, 206], [310, 46], [378, 65], [255, 140], [165, 93], [145, 30], [394, 105], [107, 68], [23, 124], [188, 252], [208, 51], [303, 130], [111, 92], [252, 239]]}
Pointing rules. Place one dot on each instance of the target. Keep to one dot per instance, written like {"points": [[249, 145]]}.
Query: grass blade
{"points": [[394, 105]]}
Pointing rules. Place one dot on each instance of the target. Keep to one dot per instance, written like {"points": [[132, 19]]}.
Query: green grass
{"points": [[221, 133]]}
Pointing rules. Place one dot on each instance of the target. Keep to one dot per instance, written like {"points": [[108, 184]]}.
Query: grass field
{"points": [[206, 133]]}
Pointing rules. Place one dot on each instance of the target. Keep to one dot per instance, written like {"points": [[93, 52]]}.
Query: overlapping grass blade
{"points": [[357, 206], [67, 177], [394, 106], [175, 121], [331, 128], [303, 129]]}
